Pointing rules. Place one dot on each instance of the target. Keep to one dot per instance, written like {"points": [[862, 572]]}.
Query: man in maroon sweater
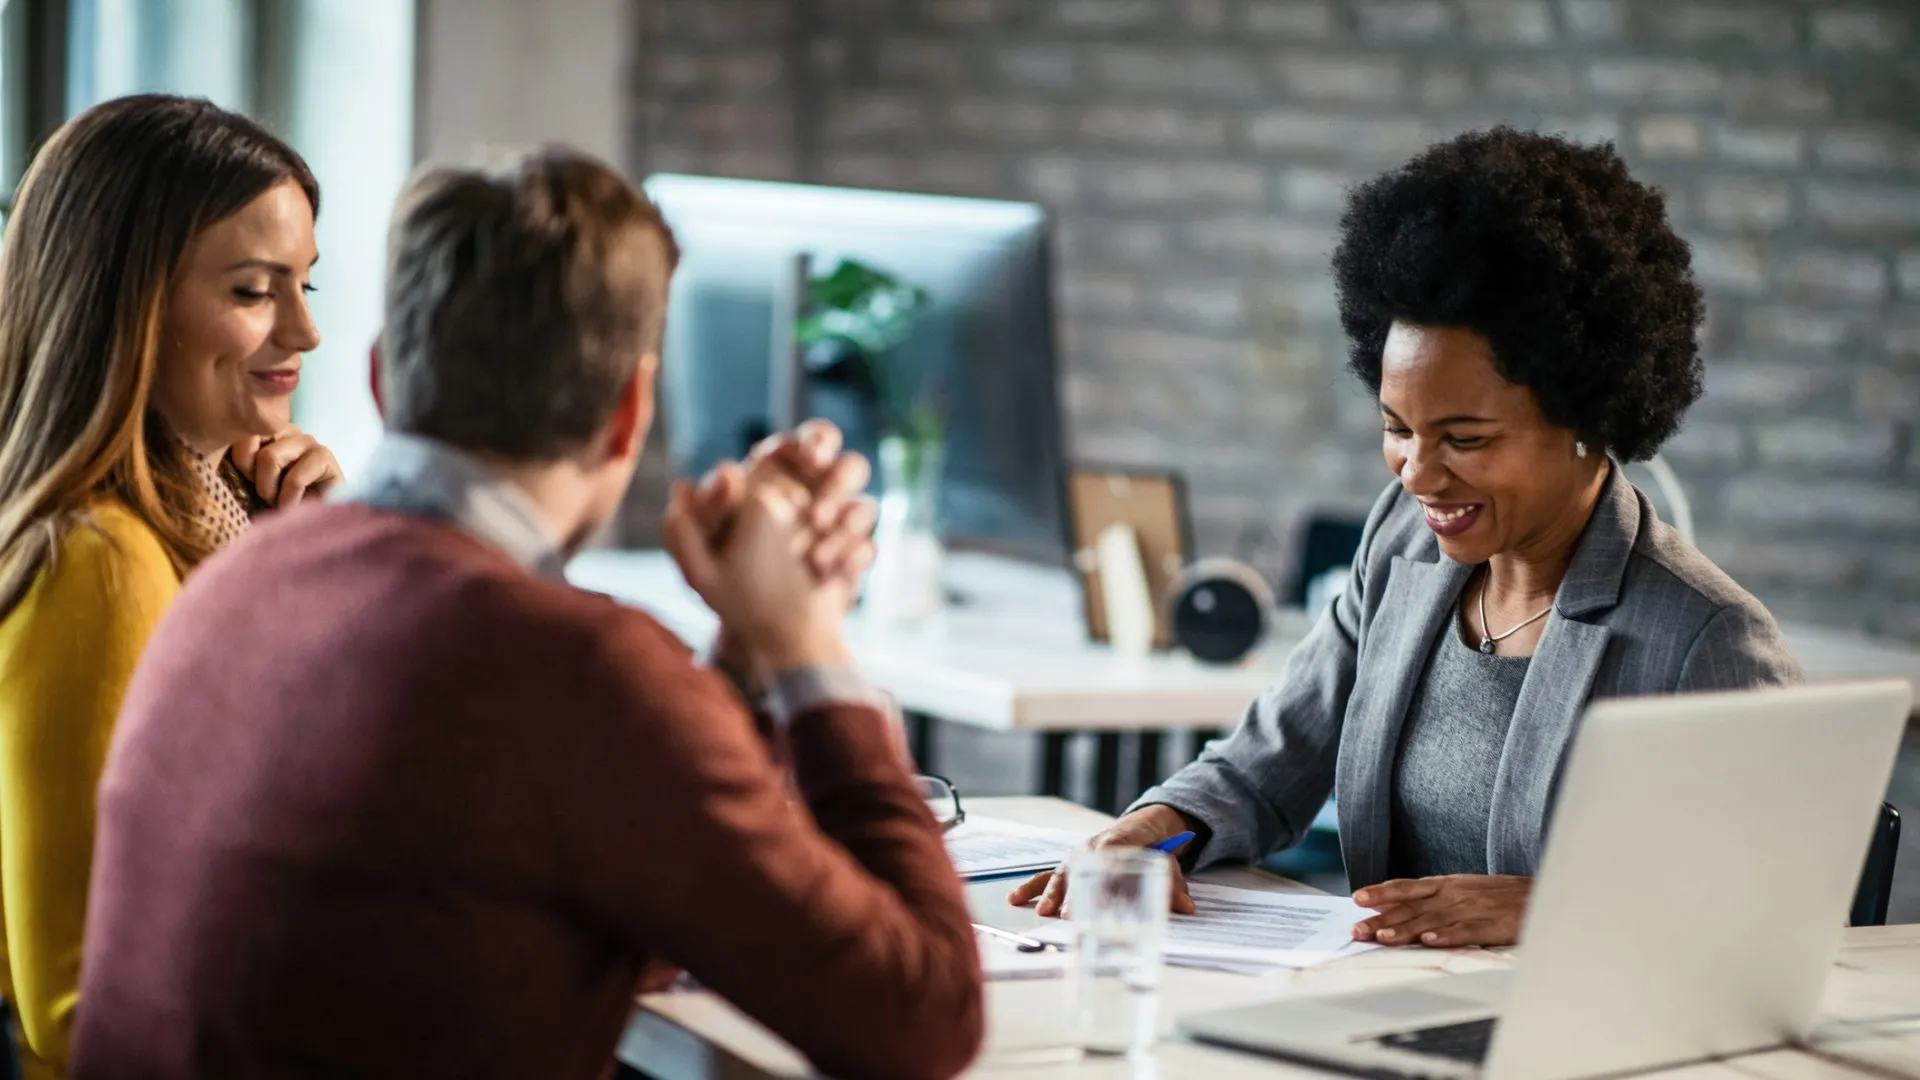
{"points": [[389, 798]]}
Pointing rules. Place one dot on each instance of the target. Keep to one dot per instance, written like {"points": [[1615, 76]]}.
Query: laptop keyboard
{"points": [[1466, 1042]]}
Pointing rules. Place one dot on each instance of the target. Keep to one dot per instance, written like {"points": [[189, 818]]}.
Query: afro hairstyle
{"points": [[1548, 249]]}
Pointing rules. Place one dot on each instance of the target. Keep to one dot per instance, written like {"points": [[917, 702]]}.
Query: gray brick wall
{"points": [[1195, 153]]}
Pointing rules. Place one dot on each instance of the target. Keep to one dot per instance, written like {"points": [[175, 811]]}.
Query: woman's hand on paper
{"points": [[1145, 827], [1445, 912]]}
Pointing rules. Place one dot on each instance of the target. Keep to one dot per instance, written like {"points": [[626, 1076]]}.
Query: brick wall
{"points": [[1195, 154]]}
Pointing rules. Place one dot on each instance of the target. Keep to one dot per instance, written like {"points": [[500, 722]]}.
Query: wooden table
{"points": [[1871, 1012]]}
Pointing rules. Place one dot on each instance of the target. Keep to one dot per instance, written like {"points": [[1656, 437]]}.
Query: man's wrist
{"points": [[730, 658], [777, 654], [799, 690]]}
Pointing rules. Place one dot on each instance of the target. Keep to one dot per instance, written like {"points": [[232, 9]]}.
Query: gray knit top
{"points": [[1449, 755]]}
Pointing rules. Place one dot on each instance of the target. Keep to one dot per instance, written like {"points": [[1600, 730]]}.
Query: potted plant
{"points": [[857, 316]]}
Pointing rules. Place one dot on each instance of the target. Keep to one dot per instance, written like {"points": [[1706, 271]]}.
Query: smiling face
{"points": [[1494, 476], [236, 324]]}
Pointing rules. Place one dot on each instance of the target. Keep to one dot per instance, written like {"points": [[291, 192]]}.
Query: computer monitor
{"points": [[986, 336]]}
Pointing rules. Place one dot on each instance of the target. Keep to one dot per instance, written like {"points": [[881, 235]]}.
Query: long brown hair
{"points": [[99, 230]]}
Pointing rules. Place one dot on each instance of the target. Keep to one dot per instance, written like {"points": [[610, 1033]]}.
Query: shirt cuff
{"points": [[753, 696], [797, 690]]}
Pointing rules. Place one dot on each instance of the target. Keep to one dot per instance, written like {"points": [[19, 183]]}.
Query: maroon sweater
{"points": [[382, 803]]}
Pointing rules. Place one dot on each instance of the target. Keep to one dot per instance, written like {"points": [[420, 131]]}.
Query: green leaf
{"points": [[871, 312]]}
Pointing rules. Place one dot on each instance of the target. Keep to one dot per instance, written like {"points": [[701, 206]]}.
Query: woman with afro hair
{"points": [[1527, 317]]}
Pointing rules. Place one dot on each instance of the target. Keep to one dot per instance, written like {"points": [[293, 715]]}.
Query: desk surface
{"points": [[696, 1036], [1014, 655]]}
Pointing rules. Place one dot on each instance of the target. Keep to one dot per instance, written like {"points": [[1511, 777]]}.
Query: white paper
{"points": [[986, 847], [1001, 959], [1236, 967], [1248, 929], [1124, 591]]}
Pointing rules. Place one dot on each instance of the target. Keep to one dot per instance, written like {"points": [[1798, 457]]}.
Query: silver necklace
{"points": [[1487, 640]]}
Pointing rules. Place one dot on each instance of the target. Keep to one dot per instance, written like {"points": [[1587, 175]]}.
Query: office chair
{"points": [[1876, 880], [1328, 542]]}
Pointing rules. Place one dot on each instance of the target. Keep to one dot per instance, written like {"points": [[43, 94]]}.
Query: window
{"points": [[200, 48], [10, 150], [57, 57], [333, 77], [16, 119], [345, 99]]}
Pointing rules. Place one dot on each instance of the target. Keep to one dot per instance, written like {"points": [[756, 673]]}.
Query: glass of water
{"points": [[1117, 900]]}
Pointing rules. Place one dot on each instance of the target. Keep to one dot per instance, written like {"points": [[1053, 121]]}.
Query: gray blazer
{"points": [[1640, 612]]}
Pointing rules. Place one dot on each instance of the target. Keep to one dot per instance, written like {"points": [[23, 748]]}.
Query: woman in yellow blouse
{"points": [[153, 314]]}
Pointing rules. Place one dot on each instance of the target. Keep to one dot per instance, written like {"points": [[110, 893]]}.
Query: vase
{"points": [[904, 588]]}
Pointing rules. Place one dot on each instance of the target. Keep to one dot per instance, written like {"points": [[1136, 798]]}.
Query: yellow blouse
{"points": [[67, 652]]}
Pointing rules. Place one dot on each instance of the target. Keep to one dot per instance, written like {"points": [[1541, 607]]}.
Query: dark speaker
{"points": [[1220, 610]]}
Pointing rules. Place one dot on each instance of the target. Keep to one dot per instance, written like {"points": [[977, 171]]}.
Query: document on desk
{"points": [[1250, 929], [1000, 960], [983, 847]]}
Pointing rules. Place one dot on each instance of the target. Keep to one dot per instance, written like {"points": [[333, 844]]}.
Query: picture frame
{"points": [[1153, 503]]}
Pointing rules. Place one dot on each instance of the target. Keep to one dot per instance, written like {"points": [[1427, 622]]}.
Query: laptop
{"points": [[1703, 854]]}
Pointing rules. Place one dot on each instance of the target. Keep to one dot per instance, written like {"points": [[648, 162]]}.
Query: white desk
{"points": [[1014, 656], [696, 1036]]}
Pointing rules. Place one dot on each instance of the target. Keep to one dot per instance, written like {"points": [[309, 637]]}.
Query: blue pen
{"points": [[1173, 842]]}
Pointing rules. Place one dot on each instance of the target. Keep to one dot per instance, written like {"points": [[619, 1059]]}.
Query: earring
{"points": [[1580, 450]]}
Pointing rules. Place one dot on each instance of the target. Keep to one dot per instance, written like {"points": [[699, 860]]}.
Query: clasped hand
{"points": [[776, 546]]}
